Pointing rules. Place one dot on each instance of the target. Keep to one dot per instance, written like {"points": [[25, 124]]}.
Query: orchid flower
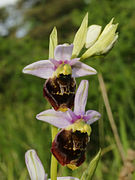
{"points": [[70, 143], [60, 64], [36, 169], [60, 73]]}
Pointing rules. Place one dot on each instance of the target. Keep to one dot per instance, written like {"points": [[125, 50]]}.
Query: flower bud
{"points": [[34, 166], [92, 35], [105, 41]]}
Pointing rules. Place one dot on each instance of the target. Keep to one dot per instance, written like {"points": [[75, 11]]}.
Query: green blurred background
{"points": [[24, 38]]}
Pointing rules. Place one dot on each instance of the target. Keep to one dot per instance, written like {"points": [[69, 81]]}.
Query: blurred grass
{"points": [[21, 95]]}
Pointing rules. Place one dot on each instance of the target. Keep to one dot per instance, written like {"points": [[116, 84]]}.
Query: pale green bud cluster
{"points": [[100, 44], [96, 42]]}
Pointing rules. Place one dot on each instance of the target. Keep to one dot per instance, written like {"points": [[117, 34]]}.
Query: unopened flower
{"points": [[60, 72], [36, 169], [92, 35], [104, 42], [70, 143]]}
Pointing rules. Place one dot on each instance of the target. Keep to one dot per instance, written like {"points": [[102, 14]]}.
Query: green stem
{"points": [[53, 160]]}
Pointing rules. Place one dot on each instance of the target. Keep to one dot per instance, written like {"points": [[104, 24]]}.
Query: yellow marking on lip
{"points": [[72, 166], [63, 69], [81, 126], [63, 109]]}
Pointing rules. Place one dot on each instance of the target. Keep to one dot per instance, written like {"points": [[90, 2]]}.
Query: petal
{"points": [[63, 52], [81, 98], [73, 61], [56, 118], [34, 166], [66, 178], [80, 69], [92, 116], [72, 117], [55, 62], [43, 69]]}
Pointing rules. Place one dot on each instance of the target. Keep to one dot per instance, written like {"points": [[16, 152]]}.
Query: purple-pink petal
{"points": [[81, 98], [73, 61], [63, 52], [91, 116], [80, 69], [43, 69], [72, 116], [56, 118], [55, 63]]}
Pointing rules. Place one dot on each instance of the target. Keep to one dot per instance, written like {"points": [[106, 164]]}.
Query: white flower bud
{"points": [[34, 166], [92, 35]]}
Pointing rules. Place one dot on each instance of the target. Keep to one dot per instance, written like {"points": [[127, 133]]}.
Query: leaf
{"points": [[89, 172], [80, 37], [53, 42]]}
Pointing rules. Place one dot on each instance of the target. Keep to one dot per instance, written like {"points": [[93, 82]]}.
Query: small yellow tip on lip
{"points": [[72, 166], [63, 109]]}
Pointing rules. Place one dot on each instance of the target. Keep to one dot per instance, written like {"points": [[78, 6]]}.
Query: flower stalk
{"points": [[53, 172], [52, 44]]}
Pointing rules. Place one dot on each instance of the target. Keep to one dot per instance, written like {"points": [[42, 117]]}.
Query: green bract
{"points": [[80, 37], [89, 172], [53, 42]]}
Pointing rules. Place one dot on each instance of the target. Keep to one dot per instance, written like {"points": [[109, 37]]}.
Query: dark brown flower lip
{"points": [[60, 91], [69, 147]]}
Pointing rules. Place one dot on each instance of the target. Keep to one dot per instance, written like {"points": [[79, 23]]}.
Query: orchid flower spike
{"points": [[59, 89], [36, 169], [70, 143]]}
